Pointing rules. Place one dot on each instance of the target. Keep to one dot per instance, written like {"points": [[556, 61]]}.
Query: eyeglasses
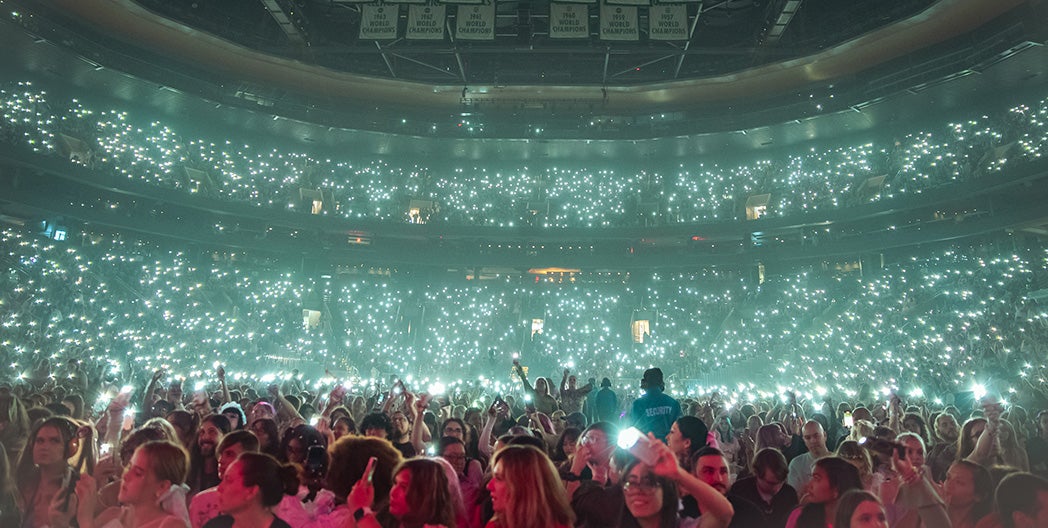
{"points": [[646, 484]]}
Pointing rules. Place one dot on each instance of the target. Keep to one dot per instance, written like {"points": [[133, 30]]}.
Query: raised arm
{"points": [[418, 428], [226, 398], [150, 387], [523, 377], [285, 411], [564, 384], [711, 502]]}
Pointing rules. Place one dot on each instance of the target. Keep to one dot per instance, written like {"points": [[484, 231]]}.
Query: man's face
{"points": [[571, 382], [713, 470], [946, 426], [814, 438], [400, 423], [769, 483], [208, 438]]}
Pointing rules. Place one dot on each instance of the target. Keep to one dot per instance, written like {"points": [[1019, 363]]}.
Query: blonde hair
{"points": [[167, 460], [535, 496]]}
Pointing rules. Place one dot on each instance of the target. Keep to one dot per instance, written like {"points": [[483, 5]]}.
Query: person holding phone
{"points": [[541, 398], [43, 473], [152, 492], [351, 461], [420, 496]]}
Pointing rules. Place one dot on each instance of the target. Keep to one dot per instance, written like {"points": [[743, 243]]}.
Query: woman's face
{"points": [[48, 446], [914, 451], [498, 489], [676, 441], [643, 493], [398, 494], [260, 432], [139, 483], [456, 455], [820, 490], [975, 431], [233, 495], [296, 451], [868, 514], [340, 429], [569, 445], [959, 488]]}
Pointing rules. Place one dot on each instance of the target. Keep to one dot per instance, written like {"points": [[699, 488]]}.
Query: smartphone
{"points": [[369, 471], [316, 461], [849, 422], [884, 447], [638, 445]]}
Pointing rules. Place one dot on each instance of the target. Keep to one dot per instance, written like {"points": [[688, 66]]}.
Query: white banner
{"points": [[668, 22], [618, 23], [379, 22], [475, 22], [568, 21], [426, 22]]}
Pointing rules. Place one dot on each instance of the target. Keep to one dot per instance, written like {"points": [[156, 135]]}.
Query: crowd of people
{"points": [[662, 191], [117, 408], [236, 454], [938, 323]]}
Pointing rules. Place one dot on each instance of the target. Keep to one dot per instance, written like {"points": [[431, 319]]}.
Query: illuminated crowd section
{"points": [[939, 322], [498, 193]]}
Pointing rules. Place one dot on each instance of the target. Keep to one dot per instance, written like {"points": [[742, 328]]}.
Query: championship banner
{"points": [[568, 21], [379, 22], [475, 22], [618, 23], [426, 22], [668, 22]]}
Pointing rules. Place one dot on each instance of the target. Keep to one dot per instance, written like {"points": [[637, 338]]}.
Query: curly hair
{"points": [[349, 459]]}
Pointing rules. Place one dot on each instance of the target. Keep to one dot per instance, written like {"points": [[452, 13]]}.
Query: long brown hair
{"points": [[428, 495], [535, 495]]}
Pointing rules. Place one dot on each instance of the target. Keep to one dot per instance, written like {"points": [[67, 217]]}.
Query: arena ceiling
{"points": [[839, 68]]}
